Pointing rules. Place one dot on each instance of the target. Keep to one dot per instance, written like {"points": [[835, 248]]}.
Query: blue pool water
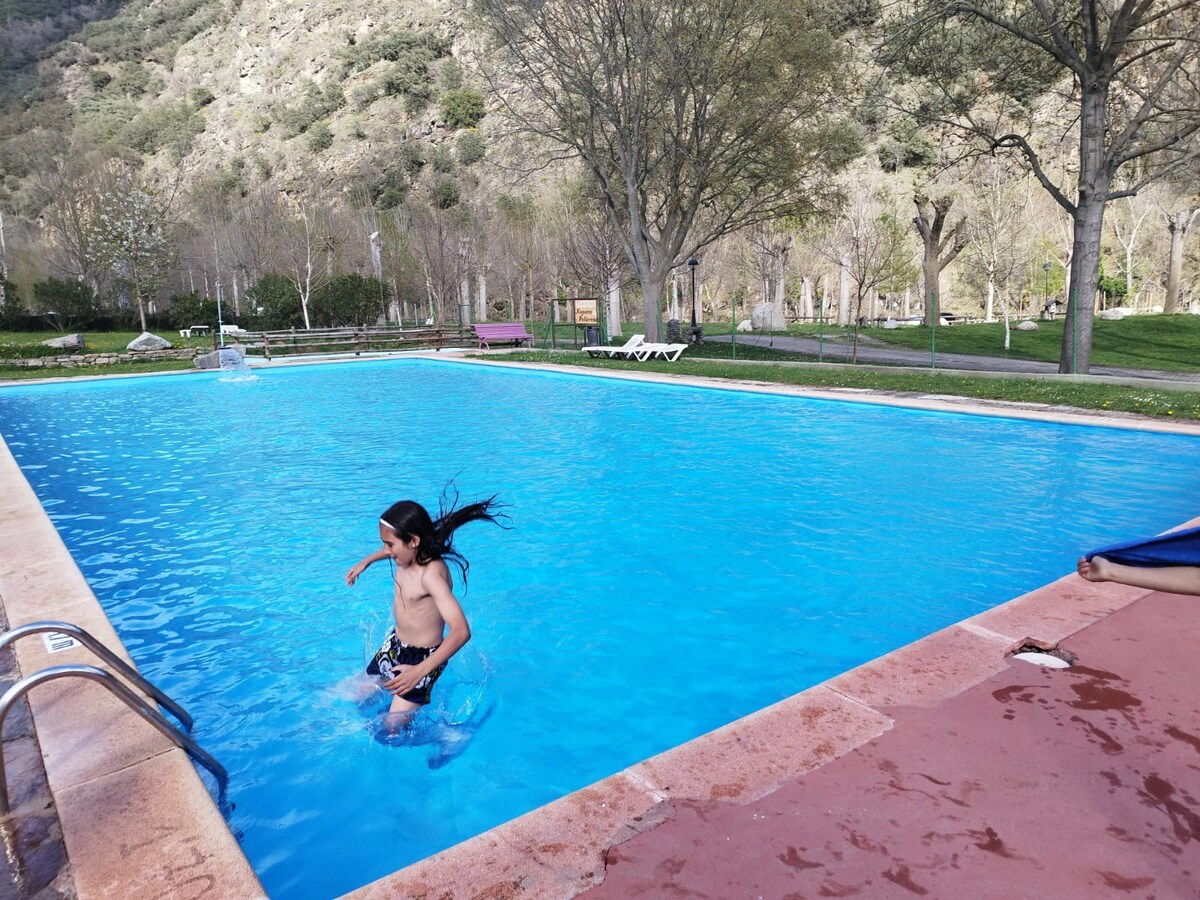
{"points": [[680, 557]]}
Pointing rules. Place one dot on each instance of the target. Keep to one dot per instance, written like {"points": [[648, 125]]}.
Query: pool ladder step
{"points": [[178, 736]]}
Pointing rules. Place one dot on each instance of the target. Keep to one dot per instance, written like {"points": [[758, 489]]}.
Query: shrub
{"points": [[202, 96], [316, 104], [390, 190], [132, 79], [442, 160], [99, 119], [319, 137], [444, 194], [65, 304], [905, 146], [100, 79], [12, 312], [463, 108], [184, 310], [411, 160], [449, 76], [165, 125], [348, 300], [470, 147], [275, 302], [417, 100]]}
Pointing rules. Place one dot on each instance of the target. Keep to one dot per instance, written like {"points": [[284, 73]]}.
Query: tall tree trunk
{"points": [[843, 318], [141, 305], [652, 282], [1178, 224], [481, 296], [612, 297], [3, 265], [1081, 292], [1094, 182], [938, 249]]}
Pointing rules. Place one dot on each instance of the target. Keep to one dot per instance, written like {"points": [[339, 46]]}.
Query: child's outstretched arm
{"points": [[435, 580], [1169, 579], [361, 566]]}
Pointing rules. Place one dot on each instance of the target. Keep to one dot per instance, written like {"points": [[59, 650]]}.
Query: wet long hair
{"points": [[409, 519]]}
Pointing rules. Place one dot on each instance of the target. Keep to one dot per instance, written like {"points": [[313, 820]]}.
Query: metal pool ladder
{"points": [[177, 736]]}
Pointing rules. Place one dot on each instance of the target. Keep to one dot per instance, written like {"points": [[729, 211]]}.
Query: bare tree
{"points": [[1000, 235], [1127, 228], [696, 117], [594, 254], [67, 187], [940, 247], [770, 245], [306, 239], [869, 242]]}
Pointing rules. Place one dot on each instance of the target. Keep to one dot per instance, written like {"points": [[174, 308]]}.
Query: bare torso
{"points": [[418, 621]]}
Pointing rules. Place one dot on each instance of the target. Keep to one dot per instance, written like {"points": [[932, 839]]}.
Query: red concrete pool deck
{"points": [[1076, 783], [944, 769]]}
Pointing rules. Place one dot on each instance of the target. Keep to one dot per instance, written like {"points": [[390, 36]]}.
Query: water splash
{"points": [[444, 729], [234, 366]]}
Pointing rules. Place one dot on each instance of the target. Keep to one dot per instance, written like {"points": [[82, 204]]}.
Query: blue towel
{"points": [[1179, 548]]}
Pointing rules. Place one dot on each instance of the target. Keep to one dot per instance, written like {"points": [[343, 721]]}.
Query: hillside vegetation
{"points": [[283, 146]]}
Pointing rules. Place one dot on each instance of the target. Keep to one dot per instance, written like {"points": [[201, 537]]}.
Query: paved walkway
{"points": [[1079, 783], [873, 352]]}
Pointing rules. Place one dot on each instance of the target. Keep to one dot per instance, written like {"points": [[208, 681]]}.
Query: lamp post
{"points": [[1046, 285], [692, 263]]}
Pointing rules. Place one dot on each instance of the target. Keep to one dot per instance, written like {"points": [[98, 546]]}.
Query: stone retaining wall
{"points": [[81, 360]]}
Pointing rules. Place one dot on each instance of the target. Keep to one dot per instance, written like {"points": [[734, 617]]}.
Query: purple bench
{"points": [[501, 331]]}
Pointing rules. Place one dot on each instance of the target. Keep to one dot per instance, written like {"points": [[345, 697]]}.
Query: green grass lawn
{"points": [[1171, 404], [1178, 336], [28, 344], [1157, 343], [1162, 343]]}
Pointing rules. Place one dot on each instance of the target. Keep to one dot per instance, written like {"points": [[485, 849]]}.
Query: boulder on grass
{"points": [[147, 341], [1027, 325], [66, 342], [745, 325], [768, 317]]}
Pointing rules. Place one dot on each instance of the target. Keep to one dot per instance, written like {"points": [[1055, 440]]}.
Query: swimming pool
{"points": [[681, 557]]}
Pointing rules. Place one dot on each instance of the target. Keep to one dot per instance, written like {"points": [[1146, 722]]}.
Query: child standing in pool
{"points": [[418, 647]]}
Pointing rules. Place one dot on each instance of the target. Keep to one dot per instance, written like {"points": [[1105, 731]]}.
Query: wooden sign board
{"points": [[587, 312]]}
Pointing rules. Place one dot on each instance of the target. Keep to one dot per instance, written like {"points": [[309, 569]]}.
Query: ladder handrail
{"points": [[92, 643], [132, 700]]}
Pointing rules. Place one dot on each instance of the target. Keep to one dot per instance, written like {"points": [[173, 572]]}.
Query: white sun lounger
{"points": [[624, 351], [667, 352]]}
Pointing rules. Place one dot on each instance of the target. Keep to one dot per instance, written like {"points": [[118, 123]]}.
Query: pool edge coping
{"points": [[833, 718], [559, 849], [135, 816]]}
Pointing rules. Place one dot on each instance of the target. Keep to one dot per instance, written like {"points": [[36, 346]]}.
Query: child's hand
{"points": [[355, 570], [404, 679]]}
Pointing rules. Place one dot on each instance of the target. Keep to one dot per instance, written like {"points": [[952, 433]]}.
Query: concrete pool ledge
{"points": [[562, 849], [136, 818]]}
